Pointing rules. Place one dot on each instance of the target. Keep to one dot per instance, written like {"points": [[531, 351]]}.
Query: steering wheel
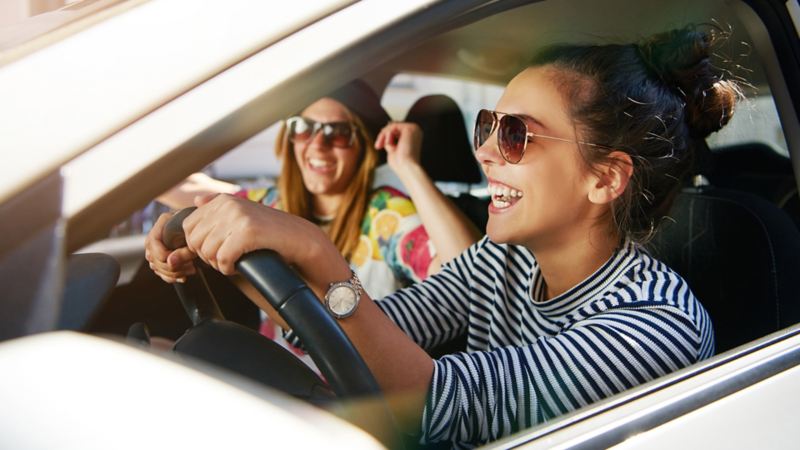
{"points": [[238, 348]]}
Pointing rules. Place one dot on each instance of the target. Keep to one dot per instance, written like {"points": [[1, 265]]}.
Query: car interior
{"points": [[733, 232]]}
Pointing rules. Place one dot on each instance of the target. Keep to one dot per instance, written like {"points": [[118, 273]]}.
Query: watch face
{"points": [[342, 300]]}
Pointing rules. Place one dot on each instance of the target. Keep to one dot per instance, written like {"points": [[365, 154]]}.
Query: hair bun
{"points": [[681, 59]]}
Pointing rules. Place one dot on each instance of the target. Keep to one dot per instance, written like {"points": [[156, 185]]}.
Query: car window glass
{"points": [[251, 163], [755, 121], [404, 89]]}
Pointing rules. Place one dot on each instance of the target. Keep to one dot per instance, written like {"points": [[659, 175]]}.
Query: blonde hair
{"points": [[295, 199]]}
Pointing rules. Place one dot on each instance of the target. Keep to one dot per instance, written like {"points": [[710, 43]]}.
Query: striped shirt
{"points": [[529, 359]]}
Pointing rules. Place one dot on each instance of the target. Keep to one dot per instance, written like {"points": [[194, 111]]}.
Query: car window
{"points": [[254, 161], [755, 121], [251, 163]]}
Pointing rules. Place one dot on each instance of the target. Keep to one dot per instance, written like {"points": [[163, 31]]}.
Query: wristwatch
{"points": [[343, 296]]}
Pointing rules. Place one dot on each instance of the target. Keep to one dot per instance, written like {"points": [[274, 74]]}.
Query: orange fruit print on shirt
{"points": [[385, 224]]}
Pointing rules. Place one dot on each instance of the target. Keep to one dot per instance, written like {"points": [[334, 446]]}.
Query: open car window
{"points": [[756, 121]]}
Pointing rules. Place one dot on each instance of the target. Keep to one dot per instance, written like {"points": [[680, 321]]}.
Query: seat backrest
{"points": [[756, 167], [446, 151], [741, 256]]}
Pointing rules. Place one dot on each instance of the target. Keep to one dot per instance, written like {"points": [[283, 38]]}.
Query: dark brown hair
{"points": [[654, 101]]}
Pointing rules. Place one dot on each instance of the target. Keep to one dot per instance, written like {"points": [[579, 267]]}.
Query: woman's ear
{"points": [[610, 178]]}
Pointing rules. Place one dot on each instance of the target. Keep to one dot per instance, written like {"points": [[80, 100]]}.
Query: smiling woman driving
{"points": [[561, 304]]}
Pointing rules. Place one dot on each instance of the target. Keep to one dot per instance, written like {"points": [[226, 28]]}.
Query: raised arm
{"points": [[448, 228]]}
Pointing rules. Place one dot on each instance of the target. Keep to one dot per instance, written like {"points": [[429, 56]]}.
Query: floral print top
{"points": [[393, 250]]}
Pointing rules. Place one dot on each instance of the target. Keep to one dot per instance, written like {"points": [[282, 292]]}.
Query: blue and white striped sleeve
{"points": [[436, 310], [481, 396]]}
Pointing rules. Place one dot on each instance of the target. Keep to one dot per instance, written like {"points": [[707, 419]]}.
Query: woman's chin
{"points": [[496, 232], [317, 186]]}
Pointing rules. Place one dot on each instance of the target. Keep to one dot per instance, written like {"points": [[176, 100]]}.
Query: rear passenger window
{"points": [[404, 89], [755, 121]]}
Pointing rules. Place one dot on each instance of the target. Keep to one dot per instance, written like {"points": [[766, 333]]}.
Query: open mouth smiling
{"points": [[503, 196], [320, 165]]}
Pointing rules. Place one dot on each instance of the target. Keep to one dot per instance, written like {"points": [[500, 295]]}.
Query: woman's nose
{"points": [[318, 139], [488, 152]]}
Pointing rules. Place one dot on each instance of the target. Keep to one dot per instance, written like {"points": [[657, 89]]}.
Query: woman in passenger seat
{"points": [[561, 304]]}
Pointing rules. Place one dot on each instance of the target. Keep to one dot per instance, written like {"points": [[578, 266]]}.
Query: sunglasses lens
{"points": [[300, 130], [338, 134], [512, 137], [483, 128]]}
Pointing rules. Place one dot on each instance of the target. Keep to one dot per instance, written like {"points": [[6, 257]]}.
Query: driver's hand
{"points": [[170, 266], [225, 227]]}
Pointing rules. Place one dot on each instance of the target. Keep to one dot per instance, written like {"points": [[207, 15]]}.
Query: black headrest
{"points": [[741, 256], [446, 151]]}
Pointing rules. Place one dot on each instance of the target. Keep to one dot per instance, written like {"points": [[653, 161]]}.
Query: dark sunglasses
{"points": [[337, 134], [512, 134]]}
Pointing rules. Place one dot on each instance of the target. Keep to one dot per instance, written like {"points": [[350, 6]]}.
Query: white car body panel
{"points": [[101, 394]]}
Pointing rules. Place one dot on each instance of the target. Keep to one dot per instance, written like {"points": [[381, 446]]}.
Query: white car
{"points": [[106, 104]]}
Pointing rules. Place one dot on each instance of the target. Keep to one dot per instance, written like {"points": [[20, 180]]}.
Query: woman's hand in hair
{"points": [[402, 142]]}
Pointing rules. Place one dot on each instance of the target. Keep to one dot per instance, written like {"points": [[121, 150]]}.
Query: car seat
{"points": [[446, 153], [740, 254], [757, 168]]}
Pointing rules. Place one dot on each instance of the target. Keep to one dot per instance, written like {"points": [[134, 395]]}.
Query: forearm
{"points": [[182, 195], [402, 368], [448, 228], [258, 299]]}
